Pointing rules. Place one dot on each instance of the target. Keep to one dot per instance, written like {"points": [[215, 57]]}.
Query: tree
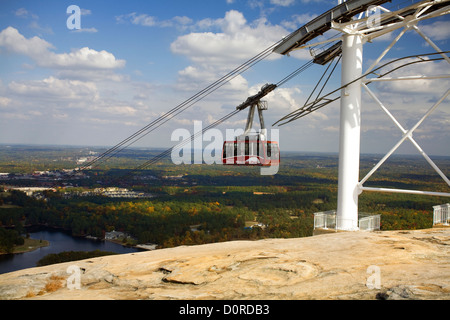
{"points": [[8, 239]]}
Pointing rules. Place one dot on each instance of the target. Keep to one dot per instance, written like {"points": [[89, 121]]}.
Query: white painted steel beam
{"points": [[354, 34], [350, 129], [405, 136], [408, 78], [416, 145]]}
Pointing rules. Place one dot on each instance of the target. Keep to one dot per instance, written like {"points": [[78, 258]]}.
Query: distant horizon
{"points": [[99, 77], [331, 153]]}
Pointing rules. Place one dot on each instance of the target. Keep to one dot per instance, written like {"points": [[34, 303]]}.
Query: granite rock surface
{"points": [[346, 265]]}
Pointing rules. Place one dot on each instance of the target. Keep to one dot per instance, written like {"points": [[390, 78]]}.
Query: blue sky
{"points": [[133, 60]]}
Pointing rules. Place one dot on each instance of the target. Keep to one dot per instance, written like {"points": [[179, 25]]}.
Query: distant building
{"points": [[253, 224], [174, 177], [114, 235], [29, 191], [123, 193]]}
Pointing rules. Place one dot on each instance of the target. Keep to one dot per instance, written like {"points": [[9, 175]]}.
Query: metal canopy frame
{"points": [[354, 33]]}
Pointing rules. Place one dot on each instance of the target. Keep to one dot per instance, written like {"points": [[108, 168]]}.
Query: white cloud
{"points": [[94, 75], [120, 110], [151, 21], [254, 4], [36, 26], [214, 47], [84, 58], [84, 86], [298, 20], [11, 39], [415, 87], [4, 101], [142, 19], [24, 13], [236, 42], [21, 12], [281, 100], [51, 89], [439, 30], [213, 54], [283, 3], [76, 102], [39, 50], [178, 21]]}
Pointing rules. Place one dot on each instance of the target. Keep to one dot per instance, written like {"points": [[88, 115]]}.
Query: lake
{"points": [[59, 241]]}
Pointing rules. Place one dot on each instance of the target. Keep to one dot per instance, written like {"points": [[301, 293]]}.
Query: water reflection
{"points": [[59, 241]]}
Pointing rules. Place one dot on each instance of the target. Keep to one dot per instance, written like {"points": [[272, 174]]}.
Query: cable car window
{"points": [[269, 149], [257, 146], [275, 152], [247, 147]]}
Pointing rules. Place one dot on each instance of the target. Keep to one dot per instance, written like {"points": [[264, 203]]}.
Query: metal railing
{"points": [[441, 214], [329, 220], [369, 222], [325, 220]]}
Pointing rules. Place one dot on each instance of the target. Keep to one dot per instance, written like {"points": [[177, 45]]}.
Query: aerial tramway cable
{"points": [[341, 12], [313, 106], [307, 108], [323, 101], [185, 141], [181, 107], [188, 103], [216, 123]]}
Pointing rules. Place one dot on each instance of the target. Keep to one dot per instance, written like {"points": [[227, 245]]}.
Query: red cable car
{"points": [[252, 149]]}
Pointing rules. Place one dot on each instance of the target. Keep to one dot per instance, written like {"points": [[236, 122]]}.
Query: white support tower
{"points": [[350, 128], [354, 32]]}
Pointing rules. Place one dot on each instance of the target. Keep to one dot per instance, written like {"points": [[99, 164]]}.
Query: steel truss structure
{"points": [[354, 33]]}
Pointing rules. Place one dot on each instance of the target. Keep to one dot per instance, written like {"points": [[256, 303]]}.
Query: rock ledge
{"points": [[346, 265]]}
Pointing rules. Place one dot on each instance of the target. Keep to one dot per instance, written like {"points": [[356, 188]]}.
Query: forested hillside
{"points": [[194, 204]]}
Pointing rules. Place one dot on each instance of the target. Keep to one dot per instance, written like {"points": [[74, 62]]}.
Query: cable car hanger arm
{"points": [[265, 90]]}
